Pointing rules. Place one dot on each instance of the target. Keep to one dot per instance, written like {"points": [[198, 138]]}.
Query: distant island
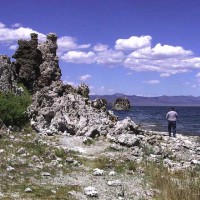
{"points": [[121, 104], [152, 101]]}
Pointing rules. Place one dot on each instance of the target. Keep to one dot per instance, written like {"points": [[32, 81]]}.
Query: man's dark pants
{"points": [[172, 128]]}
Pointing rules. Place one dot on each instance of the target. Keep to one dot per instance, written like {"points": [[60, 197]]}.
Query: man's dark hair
{"points": [[172, 108]]}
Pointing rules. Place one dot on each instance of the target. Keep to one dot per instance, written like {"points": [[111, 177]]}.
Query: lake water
{"points": [[154, 118]]}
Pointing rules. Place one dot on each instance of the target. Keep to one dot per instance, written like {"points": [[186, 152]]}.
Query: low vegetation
{"points": [[13, 108], [173, 185], [29, 158]]}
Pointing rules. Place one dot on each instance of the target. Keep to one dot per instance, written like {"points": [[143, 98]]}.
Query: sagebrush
{"points": [[13, 108]]}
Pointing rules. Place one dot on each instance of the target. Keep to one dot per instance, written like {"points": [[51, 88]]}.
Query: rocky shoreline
{"points": [[82, 132]]}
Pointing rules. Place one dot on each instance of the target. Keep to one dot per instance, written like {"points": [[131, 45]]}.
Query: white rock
{"points": [[2, 150], [28, 190], [115, 183], [45, 174], [91, 191], [12, 137], [128, 139], [69, 160], [53, 191], [196, 162], [112, 173], [9, 169], [59, 159], [49, 132], [98, 172], [1, 195]]}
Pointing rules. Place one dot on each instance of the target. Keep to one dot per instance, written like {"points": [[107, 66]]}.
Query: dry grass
{"points": [[106, 163], [179, 185], [14, 183]]}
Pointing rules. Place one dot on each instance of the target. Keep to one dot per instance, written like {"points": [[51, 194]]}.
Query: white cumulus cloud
{"points": [[133, 42], [10, 35], [66, 43], [85, 77], [167, 50], [100, 47], [109, 57], [79, 57], [69, 43]]}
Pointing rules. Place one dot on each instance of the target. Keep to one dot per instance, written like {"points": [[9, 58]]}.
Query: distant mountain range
{"points": [[152, 101]]}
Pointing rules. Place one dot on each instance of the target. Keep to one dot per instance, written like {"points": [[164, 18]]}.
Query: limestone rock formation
{"points": [[49, 68], [36, 65], [7, 82], [62, 109], [69, 113], [121, 104], [28, 59]]}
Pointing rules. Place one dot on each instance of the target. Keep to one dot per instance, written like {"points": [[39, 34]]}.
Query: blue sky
{"points": [[135, 47]]}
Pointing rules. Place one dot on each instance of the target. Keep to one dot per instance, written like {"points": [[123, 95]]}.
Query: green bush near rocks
{"points": [[13, 108]]}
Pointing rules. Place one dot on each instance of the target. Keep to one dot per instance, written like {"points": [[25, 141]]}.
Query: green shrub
{"points": [[13, 108], [59, 152]]}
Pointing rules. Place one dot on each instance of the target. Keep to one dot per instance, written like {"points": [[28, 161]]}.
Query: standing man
{"points": [[172, 117]]}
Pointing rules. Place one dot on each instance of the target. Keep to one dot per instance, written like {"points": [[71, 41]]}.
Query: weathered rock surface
{"points": [[7, 79], [36, 65], [28, 59], [49, 68], [69, 113], [5, 73], [121, 104]]}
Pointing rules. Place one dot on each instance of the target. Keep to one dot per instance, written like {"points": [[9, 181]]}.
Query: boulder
{"points": [[115, 183], [91, 191], [98, 172], [128, 140]]}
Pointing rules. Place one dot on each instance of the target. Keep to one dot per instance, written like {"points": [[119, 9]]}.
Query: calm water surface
{"points": [[153, 118]]}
